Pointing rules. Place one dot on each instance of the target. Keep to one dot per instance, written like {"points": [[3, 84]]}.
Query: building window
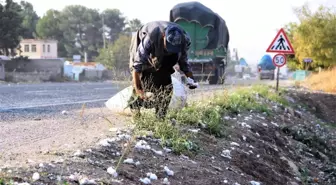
{"points": [[26, 48], [43, 48], [33, 49], [48, 48]]}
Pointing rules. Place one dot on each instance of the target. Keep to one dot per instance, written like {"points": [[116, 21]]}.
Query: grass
{"points": [[4, 181], [325, 81], [208, 115], [205, 114]]}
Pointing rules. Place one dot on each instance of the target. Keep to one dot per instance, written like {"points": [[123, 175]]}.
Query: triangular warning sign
{"points": [[280, 44]]}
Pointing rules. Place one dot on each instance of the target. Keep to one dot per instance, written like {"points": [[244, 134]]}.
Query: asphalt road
{"points": [[53, 94], [33, 101]]}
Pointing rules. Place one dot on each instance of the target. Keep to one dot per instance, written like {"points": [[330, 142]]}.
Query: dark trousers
{"points": [[160, 84], [162, 89]]}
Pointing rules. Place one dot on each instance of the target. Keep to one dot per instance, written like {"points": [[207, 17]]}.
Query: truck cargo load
{"points": [[196, 12], [266, 68], [209, 39]]}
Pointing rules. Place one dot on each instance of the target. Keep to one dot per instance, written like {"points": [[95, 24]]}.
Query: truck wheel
{"points": [[221, 78], [214, 79]]}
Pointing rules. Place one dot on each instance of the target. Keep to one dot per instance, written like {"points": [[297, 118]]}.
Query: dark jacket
{"points": [[152, 32]]}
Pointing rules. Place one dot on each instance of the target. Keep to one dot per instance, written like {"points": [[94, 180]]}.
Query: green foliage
{"points": [[133, 25], [208, 115], [314, 37], [48, 27], [30, 19], [116, 55], [171, 136], [79, 29], [5, 181], [10, 27], [114, 22]]}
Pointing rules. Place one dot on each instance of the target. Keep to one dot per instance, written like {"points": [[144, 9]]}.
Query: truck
{"points": [[266, 68], [209, 40]]}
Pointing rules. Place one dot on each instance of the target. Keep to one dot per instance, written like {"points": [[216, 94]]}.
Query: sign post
{"points": [[279, 60], [307, 62], [280, 45]]}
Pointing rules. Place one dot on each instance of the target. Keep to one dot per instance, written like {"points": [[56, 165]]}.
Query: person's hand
{"points": [[140, 93], [193, 86], [191, 83]]}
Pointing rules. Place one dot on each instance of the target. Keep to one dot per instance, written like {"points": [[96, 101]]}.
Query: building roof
{"points": [[37, 40]]}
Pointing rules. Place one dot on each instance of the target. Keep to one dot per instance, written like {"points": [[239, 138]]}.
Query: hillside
{"points": [[250, 136]]}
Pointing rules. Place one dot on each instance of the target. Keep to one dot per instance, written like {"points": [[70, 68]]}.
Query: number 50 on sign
{"points": [[279, 60]]}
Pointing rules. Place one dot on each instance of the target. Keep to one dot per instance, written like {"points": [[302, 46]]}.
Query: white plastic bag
{"points": [[120, 101], [179, 98]]}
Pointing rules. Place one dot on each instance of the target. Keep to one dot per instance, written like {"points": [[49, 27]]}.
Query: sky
{"points": [[252, 24]]}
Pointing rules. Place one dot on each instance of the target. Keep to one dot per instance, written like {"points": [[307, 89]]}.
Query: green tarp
{"points": [[197, 12]]}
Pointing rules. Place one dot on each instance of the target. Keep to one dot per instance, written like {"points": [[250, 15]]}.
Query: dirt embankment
{"points": [[281, 145], [321, 104]]}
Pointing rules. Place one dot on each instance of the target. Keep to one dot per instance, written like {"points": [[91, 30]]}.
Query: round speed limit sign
{"points": [[279, 60]]}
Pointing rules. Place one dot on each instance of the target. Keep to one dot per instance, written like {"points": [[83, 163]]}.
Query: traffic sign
{"points": [[307, 60], [279, 60], [281, 44]]}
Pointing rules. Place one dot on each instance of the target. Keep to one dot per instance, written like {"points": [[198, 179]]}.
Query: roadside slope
{"points": [[249, 136]]}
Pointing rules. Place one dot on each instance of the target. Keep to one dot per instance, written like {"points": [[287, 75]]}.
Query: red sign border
{"points": [[274, 40], [278, 55]]}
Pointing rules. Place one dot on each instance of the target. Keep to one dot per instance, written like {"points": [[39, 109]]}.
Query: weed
{"points": [[163, 129], [3, 181], [189, 115], [127, 149], [212, 116], [304, 175], [327, 125], [208, 113]]}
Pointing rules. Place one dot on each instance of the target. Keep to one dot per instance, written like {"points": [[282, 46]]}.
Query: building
{"points": [[79, 70], [38, 49]]}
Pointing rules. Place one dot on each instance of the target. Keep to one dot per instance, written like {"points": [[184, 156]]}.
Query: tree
{"points": [[114, 23], [314, 37], [30, 19], [82, 30], [10, 27], [116, 55], [133, 25], [293, 63], [48, 27]]}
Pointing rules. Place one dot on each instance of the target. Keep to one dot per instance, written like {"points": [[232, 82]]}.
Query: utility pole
{"points": [[103, 30]]}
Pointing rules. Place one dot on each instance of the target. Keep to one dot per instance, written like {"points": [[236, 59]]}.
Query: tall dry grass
{"points": [[323, 81]]}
